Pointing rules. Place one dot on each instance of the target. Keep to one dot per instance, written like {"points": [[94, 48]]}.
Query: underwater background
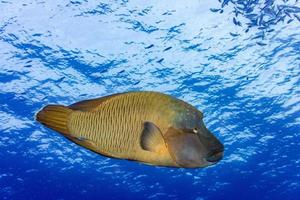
{"points": [[237, 61]]}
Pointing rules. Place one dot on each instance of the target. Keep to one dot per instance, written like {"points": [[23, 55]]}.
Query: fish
{"points": [[144, 126]]}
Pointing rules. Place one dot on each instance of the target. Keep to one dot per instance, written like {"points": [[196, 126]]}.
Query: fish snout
{"points": [[215, 155]]}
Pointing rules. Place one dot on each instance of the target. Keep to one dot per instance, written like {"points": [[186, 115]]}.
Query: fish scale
{"points": [[118, 136], [111, 130]]}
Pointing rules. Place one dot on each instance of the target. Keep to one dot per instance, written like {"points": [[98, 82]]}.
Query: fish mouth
{"points": [[215, 156]]}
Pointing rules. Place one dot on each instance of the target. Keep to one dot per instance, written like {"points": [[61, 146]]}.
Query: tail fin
{"points": [[54, 117]]}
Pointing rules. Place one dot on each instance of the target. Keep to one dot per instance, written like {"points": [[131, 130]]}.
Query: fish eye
{"points": [[195, 130], [190, 130]]}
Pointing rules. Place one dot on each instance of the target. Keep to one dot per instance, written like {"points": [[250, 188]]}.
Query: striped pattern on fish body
{"points": [[116, 125]]}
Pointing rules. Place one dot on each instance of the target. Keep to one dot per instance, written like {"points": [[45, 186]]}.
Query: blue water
{"points": [[237, 61]]}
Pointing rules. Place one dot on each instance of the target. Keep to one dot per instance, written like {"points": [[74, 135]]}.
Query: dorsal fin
{"points": [[151, 138], [92, 104]]}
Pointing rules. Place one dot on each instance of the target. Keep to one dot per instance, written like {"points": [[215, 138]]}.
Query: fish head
{"points": [[191, 144]]}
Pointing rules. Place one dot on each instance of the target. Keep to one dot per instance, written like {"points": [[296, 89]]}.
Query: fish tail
{"points": [[55, 117]]}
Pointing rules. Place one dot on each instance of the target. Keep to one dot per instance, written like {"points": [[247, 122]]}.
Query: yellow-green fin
{"points": [[89, 144], [151, 138], [55, 117]]}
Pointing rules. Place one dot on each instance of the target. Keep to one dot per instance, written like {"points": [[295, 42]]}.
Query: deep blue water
{"points": [[237, 61]]}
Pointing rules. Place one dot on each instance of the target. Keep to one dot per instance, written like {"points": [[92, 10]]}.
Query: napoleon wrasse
{"points": [[148, 127]]}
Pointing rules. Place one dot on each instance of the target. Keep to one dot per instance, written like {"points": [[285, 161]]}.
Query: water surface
{"points": [[237, 61]]}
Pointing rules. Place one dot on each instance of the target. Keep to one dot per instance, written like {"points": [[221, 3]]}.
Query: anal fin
{"points": [[89, 144]]}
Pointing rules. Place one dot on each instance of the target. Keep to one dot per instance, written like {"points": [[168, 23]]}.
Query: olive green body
{"points": [[116, 124]]}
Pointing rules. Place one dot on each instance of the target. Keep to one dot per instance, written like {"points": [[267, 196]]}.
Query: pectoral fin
{"points": [[151, 138]]}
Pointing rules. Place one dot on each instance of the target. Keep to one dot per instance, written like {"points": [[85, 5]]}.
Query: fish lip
{"points": [[209, 164], [214, 152], [215, 156]]}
